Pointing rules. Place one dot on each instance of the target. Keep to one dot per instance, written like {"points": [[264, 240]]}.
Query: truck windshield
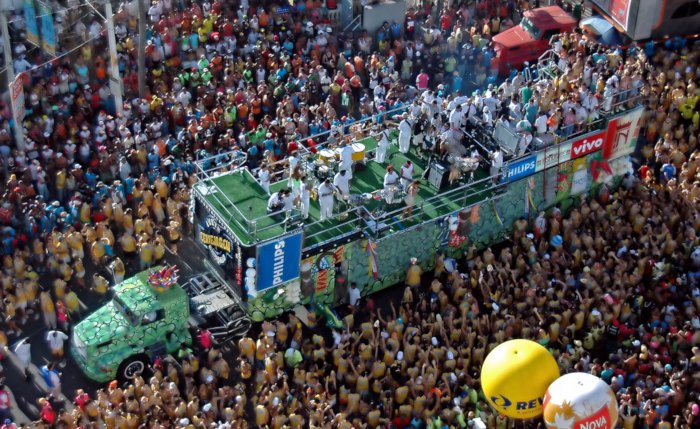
{"points": [[530, 28], [125, 311]]}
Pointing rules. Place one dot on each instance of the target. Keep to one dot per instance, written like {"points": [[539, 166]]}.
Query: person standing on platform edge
{"points": [[325, 199], [391, 179], [346, 159], [404, 134], [382, 146], [342, 183], [304, 200]]}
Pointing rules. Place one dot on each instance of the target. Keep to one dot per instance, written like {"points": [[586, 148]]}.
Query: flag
{"points": [[373, 269], [499, 219]]}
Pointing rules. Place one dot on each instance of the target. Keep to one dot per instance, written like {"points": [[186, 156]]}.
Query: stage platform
{"points": [[239, 201]]}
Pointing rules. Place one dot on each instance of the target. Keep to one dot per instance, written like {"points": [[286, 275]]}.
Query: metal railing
{"points": [[376, 226], [278, 174], [354, 24]]}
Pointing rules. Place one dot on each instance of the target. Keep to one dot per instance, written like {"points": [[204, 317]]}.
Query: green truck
{"points": [[119, 339]]}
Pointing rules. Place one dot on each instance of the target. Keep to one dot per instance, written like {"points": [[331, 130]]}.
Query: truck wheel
{"points": [[132, 367]]}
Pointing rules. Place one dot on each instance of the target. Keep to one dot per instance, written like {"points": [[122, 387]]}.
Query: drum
{"points": [[336, 153], [323, 172], [326, 155], [358, 152], [356, 199], [311, 167]]}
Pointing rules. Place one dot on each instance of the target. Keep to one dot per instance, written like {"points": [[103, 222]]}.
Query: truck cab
{"points": [[528, 40], [119, 339]]}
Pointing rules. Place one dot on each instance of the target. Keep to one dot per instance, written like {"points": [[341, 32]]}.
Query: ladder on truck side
{"points": [[548, 65], [216, 307]]}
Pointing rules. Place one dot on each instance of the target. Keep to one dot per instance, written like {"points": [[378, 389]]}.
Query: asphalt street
{"points": [[190, 261]]}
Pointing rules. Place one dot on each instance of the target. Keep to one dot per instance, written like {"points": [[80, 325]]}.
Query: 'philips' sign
{"points": [[520, 168], [279, 261]]}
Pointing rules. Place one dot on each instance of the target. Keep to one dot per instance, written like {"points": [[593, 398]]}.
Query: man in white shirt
{"points": [[23, 351], [404, 135], [341, 181], [496, 164], [346, 159], [304, 200], [406, 174], [264, 178], [354, 295], [541, 124], [524, 143], [292, 160], [457, 118], [287, 200], [325, 199], [275, 202], [55, 340], [382, 146], [391, 180]]}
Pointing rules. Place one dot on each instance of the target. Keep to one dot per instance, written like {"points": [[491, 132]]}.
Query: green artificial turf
{"points": [[247, 195]]}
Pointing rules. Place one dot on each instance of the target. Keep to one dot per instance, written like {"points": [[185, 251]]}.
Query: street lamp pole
{"points": [[142, 49], [115, 80]]}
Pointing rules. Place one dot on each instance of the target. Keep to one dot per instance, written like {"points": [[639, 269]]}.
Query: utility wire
{"points": [[51, 14], [38, 66]]}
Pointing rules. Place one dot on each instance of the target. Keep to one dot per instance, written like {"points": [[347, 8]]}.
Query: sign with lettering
{"points": [[622, 134], [279, 261], [214, 236], [520, 168], [553, 155], [587, 144]]}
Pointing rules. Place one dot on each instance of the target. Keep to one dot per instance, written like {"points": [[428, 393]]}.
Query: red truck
{"points": [[528, 40]]}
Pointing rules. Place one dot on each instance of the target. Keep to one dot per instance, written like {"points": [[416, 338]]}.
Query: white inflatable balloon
{"points": [[579, 401]]}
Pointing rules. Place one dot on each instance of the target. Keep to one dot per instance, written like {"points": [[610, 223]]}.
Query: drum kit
{"points": [[328, 160], [357, 200], [397, 194], [465, 164]]}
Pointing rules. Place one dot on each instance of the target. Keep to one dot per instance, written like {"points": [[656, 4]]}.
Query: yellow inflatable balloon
{"points": [[515, 377], [580, 401]]}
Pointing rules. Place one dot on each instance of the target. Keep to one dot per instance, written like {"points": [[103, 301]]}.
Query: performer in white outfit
{"points": [[391, 181], [380, 154], [325, 199], [293, 161], [341, 181], [304, 200], [264, 178], [406, 174], [404, 135], [346, 159]]}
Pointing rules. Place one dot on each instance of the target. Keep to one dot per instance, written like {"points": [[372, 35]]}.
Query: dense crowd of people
{"points": [[95, 193]]}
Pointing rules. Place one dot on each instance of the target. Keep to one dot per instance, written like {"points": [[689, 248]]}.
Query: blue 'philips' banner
{"points": [[279, 261], [520, 168]]}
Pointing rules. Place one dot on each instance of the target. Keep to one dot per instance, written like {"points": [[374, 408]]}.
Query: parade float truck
{"points": [[527, 41], [148, 316], [280, 262]]}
